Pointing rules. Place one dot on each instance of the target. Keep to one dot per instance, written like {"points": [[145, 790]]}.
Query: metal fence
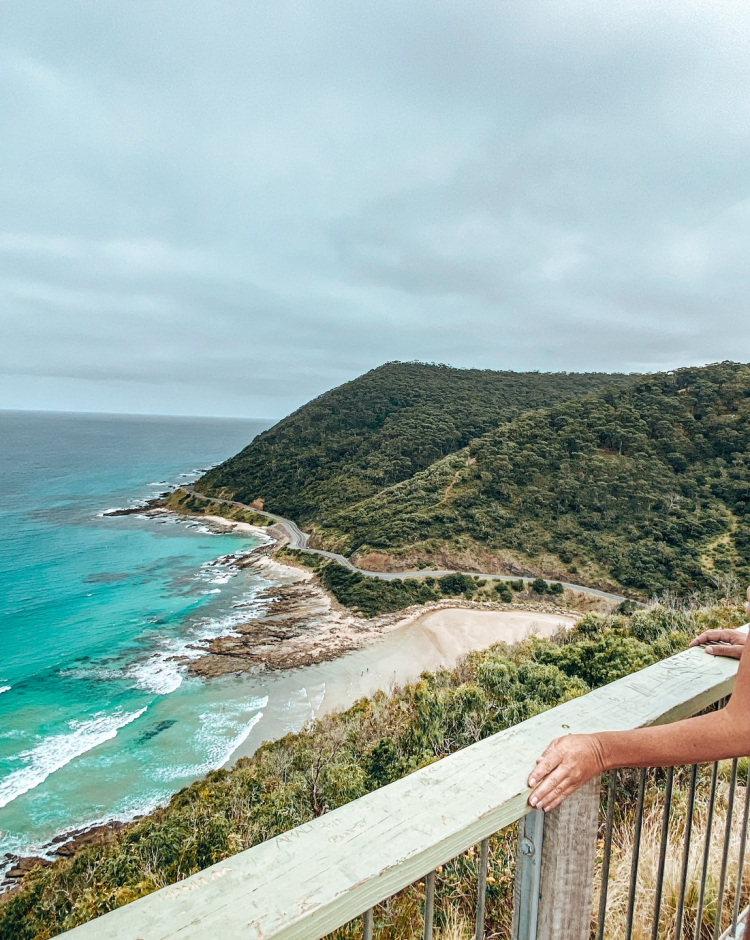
{"points": [[669, 857]]}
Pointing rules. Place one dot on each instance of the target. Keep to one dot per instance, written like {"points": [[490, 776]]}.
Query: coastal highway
{"points": [[299, 540]]}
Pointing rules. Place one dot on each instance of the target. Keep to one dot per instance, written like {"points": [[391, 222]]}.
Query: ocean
{"points": [[97, 719]]}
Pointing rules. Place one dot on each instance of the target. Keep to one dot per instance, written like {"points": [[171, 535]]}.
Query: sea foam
{"points": [[60, 749], [220, 734]]}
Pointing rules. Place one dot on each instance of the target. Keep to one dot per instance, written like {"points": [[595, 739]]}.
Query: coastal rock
{"points": [[148, 506], [24, 865], [298, 619], [65, 845], [74, 841], [303, 625]]}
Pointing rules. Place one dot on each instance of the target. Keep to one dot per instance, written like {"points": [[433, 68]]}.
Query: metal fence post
{"points": [[528, 876]]}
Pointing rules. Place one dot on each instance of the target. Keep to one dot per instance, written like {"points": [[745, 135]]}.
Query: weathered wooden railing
{"points": [[313, 879]]}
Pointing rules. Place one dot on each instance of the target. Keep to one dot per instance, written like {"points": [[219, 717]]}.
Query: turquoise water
{"points": [[97, 719]]}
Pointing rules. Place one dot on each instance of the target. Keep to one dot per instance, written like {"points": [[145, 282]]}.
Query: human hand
{"points": [[729, 643], [565, 766]]}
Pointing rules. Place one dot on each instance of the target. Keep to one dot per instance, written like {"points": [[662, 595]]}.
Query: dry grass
{"points": [[622, 847]]}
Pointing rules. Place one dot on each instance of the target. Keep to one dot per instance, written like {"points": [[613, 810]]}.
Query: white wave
{"points": [[158, 674], [18, 844], [55, 752], [162, 670], [214, 741], [4, 688], [241, 737]]}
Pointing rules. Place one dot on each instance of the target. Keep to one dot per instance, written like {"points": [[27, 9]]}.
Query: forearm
{"points": [[573, 759], [693, 741]]}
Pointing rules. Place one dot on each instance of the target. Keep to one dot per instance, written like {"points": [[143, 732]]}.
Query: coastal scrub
{"points": [[345, 755]]}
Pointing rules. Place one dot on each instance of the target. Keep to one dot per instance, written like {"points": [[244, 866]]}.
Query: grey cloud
{"points": [[232, 207]]}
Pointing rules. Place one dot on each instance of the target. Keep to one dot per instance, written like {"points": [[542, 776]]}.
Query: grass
{"points": [[622, 849], [180, 501]]}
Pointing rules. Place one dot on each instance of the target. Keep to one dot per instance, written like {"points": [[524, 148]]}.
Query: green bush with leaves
{"points": [[504, 593]]}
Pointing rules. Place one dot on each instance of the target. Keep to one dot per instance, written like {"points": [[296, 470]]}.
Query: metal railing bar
{"points": [[429, 905], [526, 893], [484, 856], [636, 854], [706, 850], [686, 851], [725, 850], [608, 827], [741, 858], [367, 925], [662, 852]]}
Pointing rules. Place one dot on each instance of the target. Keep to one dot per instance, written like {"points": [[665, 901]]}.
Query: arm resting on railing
{"points": [[571, 761]]}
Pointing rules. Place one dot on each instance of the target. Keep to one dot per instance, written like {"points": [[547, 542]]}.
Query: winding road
{"points": [[299, 540]]}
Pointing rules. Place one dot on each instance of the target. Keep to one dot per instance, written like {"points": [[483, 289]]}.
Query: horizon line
{"points": [[130, 414]]}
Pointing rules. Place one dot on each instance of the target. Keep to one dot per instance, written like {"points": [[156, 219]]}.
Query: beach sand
{"points": [[424, 642]]}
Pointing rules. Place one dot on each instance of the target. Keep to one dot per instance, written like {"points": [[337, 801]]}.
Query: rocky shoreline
{"points": [[301, 625], [65, 845]]}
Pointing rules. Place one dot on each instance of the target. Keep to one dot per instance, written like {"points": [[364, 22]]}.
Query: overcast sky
{"points": [[229, 206]]}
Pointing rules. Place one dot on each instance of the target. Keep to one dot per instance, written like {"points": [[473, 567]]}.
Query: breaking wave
{"points": [[55, 752]]}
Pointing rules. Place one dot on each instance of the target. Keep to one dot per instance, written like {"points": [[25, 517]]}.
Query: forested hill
{"points": [[380, 429], [645, 486]]}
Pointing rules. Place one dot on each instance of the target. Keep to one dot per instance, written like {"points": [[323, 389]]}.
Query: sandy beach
{"points": [[302, 625], [306, 656], [425, 642]]}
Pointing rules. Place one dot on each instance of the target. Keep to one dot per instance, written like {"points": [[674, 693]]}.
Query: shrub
{"points": [[504, 592], [456, 583], [340, 757]]}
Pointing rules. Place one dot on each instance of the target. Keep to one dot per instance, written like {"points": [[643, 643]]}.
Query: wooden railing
{"points": [[313, 879]]}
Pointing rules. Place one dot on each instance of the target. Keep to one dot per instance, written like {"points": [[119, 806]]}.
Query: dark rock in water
{"points": [[136, 510], [106, 577], [156, 729]]}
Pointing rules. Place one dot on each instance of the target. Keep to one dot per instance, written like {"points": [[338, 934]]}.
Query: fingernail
{"points": [[533, 801], [710, 650], [532, 781]]}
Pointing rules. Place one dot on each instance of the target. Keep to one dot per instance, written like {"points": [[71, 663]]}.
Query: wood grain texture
{"points": [[568, 855], [310, 880]]}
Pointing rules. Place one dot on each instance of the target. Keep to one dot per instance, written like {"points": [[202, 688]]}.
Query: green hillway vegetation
{"points": [[380, 429], [640, 483], [645, 487], [369, 597], [345, 755]]}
